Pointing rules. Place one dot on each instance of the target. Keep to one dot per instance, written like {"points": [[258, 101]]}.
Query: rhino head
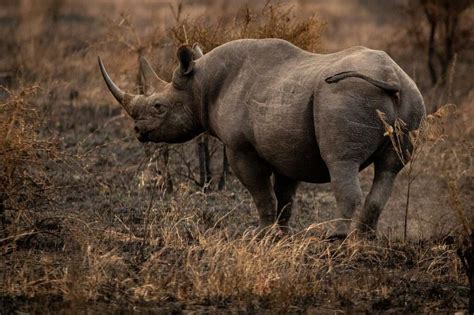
{"points": [[164, 112]]}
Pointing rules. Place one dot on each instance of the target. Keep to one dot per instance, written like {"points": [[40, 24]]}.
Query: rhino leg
{"points": [[386, 168], [285, 189], [346, 188], [255, 175]]}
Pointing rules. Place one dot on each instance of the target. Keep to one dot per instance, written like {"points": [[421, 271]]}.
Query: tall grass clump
{"points": [[25, 155]]}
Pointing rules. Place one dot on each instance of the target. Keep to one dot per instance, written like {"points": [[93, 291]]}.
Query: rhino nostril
{"points": [[137, 130]]}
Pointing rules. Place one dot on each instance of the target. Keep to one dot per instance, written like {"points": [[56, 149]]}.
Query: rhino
{"points": [[286, 116]]}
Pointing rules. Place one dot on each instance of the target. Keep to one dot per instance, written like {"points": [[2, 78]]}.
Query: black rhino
{"points": [[287, 113]]}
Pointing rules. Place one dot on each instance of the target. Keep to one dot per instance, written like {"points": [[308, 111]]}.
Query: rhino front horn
{"points": [[122, 97]]}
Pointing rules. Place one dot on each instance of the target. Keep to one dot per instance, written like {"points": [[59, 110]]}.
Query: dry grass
{"points": [[26, 187], [113, 239], [189, 262]]}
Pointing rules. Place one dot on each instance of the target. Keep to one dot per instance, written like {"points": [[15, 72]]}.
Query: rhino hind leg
{"points": [[346, 187], [386, 168], [285, 189], [255, 175]]}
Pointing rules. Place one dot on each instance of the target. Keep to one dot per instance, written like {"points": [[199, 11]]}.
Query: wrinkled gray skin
{"points": [[287, 113]]}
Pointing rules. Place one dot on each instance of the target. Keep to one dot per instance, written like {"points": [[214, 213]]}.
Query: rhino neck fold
{"points": [[202, 106], [213, 77], [201, 96]]}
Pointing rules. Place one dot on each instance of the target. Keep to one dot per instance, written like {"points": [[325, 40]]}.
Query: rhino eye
{"points": [[160, 108]]}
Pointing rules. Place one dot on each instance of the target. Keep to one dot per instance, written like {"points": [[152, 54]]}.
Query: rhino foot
{"points": [[366, 232]]}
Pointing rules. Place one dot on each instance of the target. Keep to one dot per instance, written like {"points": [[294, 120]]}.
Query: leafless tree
{"points": [[441, 34]]}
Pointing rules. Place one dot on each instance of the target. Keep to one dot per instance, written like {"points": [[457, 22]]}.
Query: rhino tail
{"points": [[389, 87]]}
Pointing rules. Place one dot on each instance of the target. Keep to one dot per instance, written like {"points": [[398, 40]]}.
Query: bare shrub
{"points": [[272, 21], [24, 154], [456, 162], [454, 157]]}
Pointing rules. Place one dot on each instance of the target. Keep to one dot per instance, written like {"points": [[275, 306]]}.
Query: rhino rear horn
{"points": [[150, 79]]}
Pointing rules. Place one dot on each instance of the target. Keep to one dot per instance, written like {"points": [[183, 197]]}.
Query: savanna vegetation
{"points": [[90, 219]]}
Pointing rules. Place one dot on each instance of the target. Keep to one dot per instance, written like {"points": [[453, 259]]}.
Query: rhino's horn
{"points": [[150, 79], [122, 97]]}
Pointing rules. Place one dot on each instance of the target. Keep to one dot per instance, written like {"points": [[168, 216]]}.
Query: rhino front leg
{"points": [[346, 187], [285, 189], [255, 175]]}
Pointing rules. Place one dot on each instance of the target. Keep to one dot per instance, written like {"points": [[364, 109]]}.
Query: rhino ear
{"points": [[197, 51], [149, 79], [186, 59]]}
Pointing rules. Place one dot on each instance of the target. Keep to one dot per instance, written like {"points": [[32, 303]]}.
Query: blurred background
{"points": [[50, 38]]}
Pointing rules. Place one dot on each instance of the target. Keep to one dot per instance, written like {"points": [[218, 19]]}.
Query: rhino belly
{"points": [[287, 142], [301, 163]]}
